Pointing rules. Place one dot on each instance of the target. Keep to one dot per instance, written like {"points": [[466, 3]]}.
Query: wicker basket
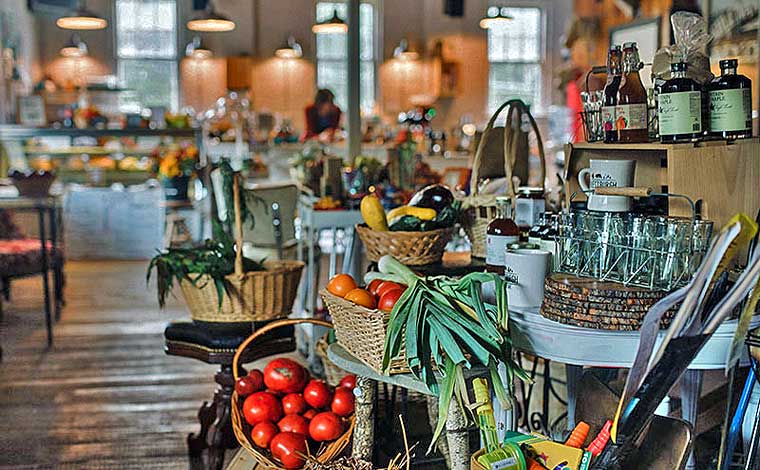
{"points": [[481, 209], [241, 428], [361, 332], [255, 296], [333, 373], [410, 248]]}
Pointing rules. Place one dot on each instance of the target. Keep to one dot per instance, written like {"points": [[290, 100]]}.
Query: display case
{"points": [[96, 156]]}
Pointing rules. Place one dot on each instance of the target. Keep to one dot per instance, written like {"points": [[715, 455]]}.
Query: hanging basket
{"points": [[409, 248], [242, 429], [480, 209], [254, 296]]}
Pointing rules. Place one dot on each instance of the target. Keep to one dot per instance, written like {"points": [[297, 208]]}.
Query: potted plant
{"points": [[218, 283], [174, 167]]}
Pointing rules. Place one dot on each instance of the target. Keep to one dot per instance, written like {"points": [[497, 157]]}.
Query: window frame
{"points": [[545, 60], [377, 46], [175, 102]]}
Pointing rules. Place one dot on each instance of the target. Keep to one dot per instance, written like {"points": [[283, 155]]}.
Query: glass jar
{"points": [[502, 231], [529, 205]]}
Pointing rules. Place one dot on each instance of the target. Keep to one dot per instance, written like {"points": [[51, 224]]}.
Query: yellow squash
{"points": [[373, 213], [421, 213]]}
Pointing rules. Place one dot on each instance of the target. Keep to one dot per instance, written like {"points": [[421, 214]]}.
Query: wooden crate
{"points": [[724, 176]]}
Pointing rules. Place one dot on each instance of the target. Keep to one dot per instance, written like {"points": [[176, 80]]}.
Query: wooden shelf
{"points": [[658, 146]]}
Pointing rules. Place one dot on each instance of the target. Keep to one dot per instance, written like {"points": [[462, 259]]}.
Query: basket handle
{"points": [[266, 329]]}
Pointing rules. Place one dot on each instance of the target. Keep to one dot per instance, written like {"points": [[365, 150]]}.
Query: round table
{"points": [[577, 347]]}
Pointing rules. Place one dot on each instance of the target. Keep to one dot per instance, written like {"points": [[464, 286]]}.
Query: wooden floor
{"points": [[105, 396]]}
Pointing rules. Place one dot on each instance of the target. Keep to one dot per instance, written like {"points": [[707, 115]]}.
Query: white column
{"points": [[354, 112]]}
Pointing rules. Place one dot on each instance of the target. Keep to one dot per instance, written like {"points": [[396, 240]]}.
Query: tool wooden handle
{"points": [[640, 191]]}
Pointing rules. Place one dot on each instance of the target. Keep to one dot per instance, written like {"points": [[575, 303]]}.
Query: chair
{"points": [[21, 256], [276, 203], [666, 446], [216, 343]]}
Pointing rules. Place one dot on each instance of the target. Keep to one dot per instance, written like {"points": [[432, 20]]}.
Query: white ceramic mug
{"points": [[608, 174], [525, 270]]}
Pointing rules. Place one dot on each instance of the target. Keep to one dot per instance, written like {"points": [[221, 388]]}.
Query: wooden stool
{"points": [[216, 343]]}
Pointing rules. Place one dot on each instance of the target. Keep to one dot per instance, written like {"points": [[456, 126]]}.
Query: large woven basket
{"points": [[410, 248], [254, 296], [480, 209], [361, 332], [242, 429]]}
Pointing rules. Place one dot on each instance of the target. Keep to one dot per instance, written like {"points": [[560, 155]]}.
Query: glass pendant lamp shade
{"points": [[210, 21], [495, 18], [332, 25]]}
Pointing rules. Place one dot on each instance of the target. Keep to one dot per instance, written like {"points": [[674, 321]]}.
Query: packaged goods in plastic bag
{"points": [[691, 40]]}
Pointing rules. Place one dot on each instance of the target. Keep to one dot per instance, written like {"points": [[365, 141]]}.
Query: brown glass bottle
{"points": [[631, 109], [501, 232], [614, 60], [679, 107], [730, 103]]}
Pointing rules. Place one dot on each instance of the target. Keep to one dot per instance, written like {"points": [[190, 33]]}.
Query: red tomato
{"points": [[244, 386], [262, 433], [258, 379], [293, 404], [348, 381], [389, 299], [262, 406], [310, 413], [288, 448], [294, 423], [326, 426], [343, 402], [385, 286], [373, 285], [285, 375], [317, 394]]}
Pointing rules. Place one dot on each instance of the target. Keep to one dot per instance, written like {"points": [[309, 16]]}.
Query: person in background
{"points": [[322, 117]]}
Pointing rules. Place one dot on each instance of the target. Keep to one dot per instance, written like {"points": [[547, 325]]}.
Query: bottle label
{"points": [[730, 110], [631, 116], [680, 112], [496, 248], [608, 118], [527, 211]]}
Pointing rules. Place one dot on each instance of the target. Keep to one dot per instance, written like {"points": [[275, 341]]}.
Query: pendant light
{"points": [[75, 47], [210, 21], [332, 25], [195, 49], [495, 18], [404, 52], [81, 19], [290, 50]]}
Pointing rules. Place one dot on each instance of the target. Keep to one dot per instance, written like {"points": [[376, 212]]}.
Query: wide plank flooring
{"points": [[105, 396]]}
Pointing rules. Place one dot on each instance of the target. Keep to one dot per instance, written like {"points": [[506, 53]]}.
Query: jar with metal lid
{"points": [[529, 205]]}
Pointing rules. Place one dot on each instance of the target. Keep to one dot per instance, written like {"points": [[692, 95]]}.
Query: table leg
{"points": [[334, 254], [573, 374], [691, 389], [364, 427], [312, 299], [457, 436], [56, 269], [352, 260], [45, 286]]}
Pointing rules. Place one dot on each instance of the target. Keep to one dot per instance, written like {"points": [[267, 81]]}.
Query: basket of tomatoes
{"points": [[360, 318], [282, 417]]}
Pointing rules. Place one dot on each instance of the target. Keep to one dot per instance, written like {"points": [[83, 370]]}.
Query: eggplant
{"points": [[435, 196]]}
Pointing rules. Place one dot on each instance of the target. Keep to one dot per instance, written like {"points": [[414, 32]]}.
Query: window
{"points": [[146, 51], [332, 65], [515, 54]]}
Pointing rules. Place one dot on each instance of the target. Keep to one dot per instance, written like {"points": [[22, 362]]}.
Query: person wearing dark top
{"points": [[322, 117]]}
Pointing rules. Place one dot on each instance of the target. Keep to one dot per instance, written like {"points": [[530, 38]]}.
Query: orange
{"points": [[361, 297], [341, 284]]}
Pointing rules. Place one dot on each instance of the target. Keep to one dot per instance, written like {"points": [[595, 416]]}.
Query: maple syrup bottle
{"points": [[614, 62], [679, 107], [730, 103], [501, 232], [631, 109]]}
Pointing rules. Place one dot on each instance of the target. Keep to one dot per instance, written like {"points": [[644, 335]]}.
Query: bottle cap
{"points": [[729, 63], [678, 67], [629, 45]]}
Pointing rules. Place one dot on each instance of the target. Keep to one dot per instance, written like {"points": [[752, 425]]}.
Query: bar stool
{"points": [[216, 343]]}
